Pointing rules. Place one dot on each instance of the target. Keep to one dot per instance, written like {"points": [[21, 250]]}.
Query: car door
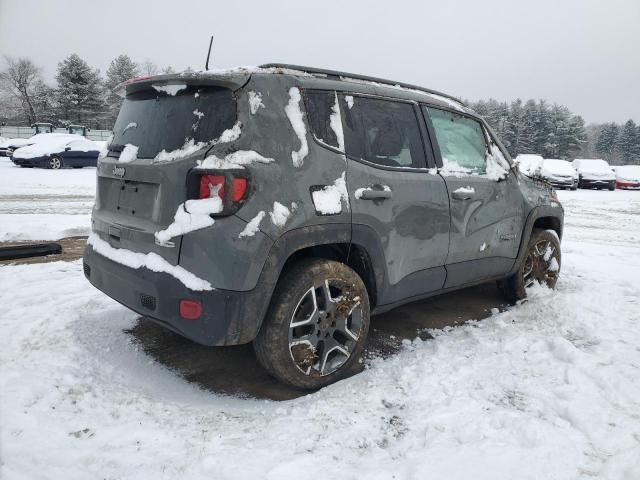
{"points": [[485, 201], [395, 199]]}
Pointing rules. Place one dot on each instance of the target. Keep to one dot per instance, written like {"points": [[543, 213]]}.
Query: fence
{"points": [[26, 132]]}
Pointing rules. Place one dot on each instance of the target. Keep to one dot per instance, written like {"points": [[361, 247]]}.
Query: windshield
{"points": [[44, 129], [76, 130], [155, 120]]}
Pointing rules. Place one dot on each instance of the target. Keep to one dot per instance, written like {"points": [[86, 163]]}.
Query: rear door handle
{"points": [[370, 193]]}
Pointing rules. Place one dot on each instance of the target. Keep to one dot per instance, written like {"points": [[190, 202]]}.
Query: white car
{"points": [[594, 173], [529, 163], [628, 177], [559, 173]]}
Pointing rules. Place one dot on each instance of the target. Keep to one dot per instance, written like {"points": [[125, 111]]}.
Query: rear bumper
{"points": [[228, 317]]}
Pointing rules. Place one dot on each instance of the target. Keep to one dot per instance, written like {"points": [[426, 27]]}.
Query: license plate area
{"points": [[137, 199]]}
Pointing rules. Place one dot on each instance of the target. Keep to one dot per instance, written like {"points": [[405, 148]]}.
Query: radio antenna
{"points": [[206, 67]]}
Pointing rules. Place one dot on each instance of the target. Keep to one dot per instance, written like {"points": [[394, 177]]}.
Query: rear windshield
{"points": [[154, 120]]}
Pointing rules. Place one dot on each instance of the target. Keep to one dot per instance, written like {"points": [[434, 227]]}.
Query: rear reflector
{"points": [[190, 309]]}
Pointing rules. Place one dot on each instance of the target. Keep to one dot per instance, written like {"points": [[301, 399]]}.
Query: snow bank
{"points": [[129, 154], [50, 226], [171, 90], [192, 215], [234, 160], [52, 143], [328, 201], [255, 102], [297, 122], [335, 121], [253, 226], [544, 390], [151, 261]]}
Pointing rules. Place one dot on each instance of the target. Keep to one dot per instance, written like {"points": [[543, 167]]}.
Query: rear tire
{"points": [[541, 264], [316, 326], [55, 162]]}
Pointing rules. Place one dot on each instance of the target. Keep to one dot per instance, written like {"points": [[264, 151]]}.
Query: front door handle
{"points": [[463, 193], [374, 193]]}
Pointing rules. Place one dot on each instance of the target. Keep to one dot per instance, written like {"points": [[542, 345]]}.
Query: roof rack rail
{"points": [[335, 73]]}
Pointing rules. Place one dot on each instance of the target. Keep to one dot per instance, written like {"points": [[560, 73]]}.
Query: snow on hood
{"points": [[596, 167], [51, 143], [552, 167]]}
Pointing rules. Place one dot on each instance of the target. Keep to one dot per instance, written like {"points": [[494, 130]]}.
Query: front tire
{"points": [[316, 326], [541, 264]]}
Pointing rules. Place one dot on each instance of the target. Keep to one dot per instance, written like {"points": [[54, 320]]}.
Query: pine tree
{"points": [[606, 143], [120, 69], [80, 92], [628, 142]]}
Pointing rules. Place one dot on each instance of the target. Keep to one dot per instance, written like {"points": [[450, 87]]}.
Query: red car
{"points": [[628, 177]]}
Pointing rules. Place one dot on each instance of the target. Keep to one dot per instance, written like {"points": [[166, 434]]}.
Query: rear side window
{"points": [[154, 121], [461, 140], [320, 107], [382, 132]]}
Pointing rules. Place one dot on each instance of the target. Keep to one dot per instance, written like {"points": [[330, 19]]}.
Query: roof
{"points": [[346, 76]]}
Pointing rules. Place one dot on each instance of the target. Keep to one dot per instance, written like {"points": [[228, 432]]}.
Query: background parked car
{"points": [[559, 173], [628, 177], [529, 163], [594, 173], [9, 145], [58, 150]]}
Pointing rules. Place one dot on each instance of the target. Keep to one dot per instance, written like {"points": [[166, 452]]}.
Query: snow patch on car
{"points": [[328, 200], [234, 160], [129, 153], [255, 102], [280, 214], [129, 126], [335, 122], [171, 90], [192, 215], [253, 226], [497, 164], [151, 261], [187, 149], [297, 122]]}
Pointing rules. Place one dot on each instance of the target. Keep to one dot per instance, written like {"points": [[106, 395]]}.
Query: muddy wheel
{"points": [[541, 264], [55, 162], [315, 330]]}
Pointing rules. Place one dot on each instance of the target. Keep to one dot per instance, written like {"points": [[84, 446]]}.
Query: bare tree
{"points": [[148, 67], [20, 77]]}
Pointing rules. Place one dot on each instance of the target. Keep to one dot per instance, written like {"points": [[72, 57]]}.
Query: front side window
{"points": [[383, 132], [461, 140]]}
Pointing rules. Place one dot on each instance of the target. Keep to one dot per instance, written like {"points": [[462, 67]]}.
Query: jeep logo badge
{"points": [[118, 171]]}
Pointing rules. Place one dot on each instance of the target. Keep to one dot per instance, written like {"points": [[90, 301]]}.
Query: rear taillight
{"points": [[232, 186]]}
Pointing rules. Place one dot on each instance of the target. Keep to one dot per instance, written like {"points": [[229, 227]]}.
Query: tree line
{"points": [[81, 95], [553, 131]]}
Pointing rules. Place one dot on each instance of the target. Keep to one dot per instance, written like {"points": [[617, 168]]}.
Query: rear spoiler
{"points": [[232, 80]]}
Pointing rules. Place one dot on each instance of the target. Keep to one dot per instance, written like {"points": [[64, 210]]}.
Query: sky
{"points": [[580, 53]]}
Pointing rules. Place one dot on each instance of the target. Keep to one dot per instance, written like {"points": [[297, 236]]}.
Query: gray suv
{"points": [[284, 205]]}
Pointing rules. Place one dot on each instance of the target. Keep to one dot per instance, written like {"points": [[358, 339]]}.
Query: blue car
{"points": [[58, 150]]}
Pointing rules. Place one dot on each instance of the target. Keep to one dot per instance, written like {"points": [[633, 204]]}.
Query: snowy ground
{"points": [[39, 204], [547, 389]]}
